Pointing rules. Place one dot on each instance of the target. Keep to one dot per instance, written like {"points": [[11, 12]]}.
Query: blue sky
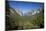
{"points": [[25, 6]]}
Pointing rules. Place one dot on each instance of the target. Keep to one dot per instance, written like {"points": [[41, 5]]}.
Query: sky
{"points": [[25, 6]]}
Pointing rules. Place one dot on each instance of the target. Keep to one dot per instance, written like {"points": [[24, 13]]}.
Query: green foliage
{"points": [[26, 22]]}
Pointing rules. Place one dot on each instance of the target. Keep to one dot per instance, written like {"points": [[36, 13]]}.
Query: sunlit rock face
{"points": [[15, 12], [11, 10], [31, 13], [35, 12], [19, 12]]}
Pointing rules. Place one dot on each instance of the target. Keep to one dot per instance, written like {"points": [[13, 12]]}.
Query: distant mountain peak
{"points": [[31, 13]]}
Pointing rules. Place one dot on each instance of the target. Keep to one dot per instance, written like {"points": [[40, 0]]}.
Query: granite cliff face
{"points": [[13, 12], [31, 13]]}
